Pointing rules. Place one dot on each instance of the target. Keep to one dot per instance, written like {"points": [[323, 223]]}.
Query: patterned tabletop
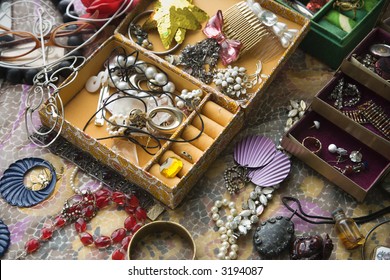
{"points": [[300, 79]]}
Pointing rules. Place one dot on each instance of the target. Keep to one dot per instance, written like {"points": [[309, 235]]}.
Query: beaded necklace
{"points": [[80, 209], [238, 224]]}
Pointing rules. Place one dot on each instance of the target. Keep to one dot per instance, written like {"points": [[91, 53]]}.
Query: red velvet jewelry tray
{"points": [[367, 133], [356, 184]]}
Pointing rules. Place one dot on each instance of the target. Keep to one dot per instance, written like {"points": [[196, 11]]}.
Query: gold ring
{"points": [[157, 227], [312, 144]]}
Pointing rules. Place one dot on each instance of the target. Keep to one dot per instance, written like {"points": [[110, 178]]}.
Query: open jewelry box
{"points": [[222, 116], [270, 67], [327, 40], [346, 130]]}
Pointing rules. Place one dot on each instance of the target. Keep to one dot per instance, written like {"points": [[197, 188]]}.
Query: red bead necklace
{"points": [[80, 209]]}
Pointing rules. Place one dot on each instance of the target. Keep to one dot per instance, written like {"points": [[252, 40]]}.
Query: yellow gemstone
{"points": [[171, 167]]}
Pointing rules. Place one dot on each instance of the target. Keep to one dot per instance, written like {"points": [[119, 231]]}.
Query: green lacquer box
{"points": [[333, 36]]}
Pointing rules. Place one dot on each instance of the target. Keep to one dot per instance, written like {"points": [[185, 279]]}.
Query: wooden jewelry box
{"points": [[345, 129], [222, 116]]}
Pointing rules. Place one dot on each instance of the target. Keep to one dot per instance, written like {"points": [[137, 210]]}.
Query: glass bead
{"points": [[130, 210], [119, 198], [80, 225], [88, 211], [46, 233], [102, 201], [59, 221], [118, 254], [102, 242], [133, 201], [140, 214], [86, 238], [348, 170], [136, 227], [130, 222], [126, 241], [32, 245], [118, 235]]}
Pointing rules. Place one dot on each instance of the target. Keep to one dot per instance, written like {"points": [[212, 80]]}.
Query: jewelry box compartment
{"points": [[361, 120], [361, 62], [302, 140], [221, 121], [342, 25], [270, 68], [335, 33]]}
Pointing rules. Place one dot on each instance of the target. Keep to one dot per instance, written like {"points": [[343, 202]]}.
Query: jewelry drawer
{"points": [[356, 178], [352, 118]]}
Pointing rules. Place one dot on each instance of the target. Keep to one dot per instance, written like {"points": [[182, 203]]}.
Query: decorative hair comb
{"points": [[257, 29]]}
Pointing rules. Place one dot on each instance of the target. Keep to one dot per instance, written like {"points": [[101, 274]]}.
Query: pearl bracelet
{"points": [[77, 189]]}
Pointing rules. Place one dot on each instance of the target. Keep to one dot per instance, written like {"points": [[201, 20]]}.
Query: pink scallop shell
{"points": [[254, 151], [273, 173]]}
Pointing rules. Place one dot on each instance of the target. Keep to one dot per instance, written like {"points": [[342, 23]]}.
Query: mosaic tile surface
{"points": [[301, 78]]}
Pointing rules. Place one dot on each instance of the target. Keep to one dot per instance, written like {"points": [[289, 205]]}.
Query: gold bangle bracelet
{"points": [[157, 227]]}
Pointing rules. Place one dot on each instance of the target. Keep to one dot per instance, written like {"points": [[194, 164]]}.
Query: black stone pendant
{"points": [[274, 236]]}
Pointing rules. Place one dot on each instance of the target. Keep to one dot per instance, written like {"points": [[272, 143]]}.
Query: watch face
{"points": [[381, 253]]}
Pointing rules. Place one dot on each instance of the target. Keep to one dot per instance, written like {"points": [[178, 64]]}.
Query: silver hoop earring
{"points": [[177, 115]]}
